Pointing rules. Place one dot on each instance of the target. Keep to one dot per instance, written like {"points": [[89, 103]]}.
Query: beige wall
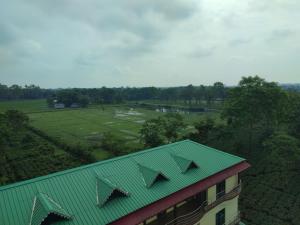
{"points": [[231, 210], [211, 194], [231, 206], [231, 183]]}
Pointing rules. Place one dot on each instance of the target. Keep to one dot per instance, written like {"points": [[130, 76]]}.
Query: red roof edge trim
{"points": [[142, 214]]}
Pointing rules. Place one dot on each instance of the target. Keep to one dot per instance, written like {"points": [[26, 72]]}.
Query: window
{"points": [[220, 189], [201, 197], [152, 219], [220, 217], [169, 210]]}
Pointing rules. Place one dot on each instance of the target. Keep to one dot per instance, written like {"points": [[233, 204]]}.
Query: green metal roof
{"points": [[106, 190], [150, 175], [44, 206], [76, 190], [184, 164]]}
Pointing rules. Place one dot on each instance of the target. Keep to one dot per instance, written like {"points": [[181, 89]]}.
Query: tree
{"points": [[4, 92], [188, 93], [173, 124], [16, 91], [152, 132], [219, 90], [293, 120], [209, 95], [113, 144], [203, 130], [16, 118], [255, 105], [284, 148], [162, 130], [199, 94], [83, 101]]}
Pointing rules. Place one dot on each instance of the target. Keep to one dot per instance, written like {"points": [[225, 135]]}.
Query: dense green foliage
{"points": [[83, 96], [26, 92], [162, 130], [24, 155], [68, 97], [260, 124], [114, 144]]}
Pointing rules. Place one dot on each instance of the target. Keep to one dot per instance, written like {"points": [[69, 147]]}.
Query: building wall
{"points": [[231, 206], [211, 194], [231, 183], [231, 210]]}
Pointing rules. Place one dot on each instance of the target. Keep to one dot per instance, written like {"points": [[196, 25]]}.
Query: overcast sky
{"points": [[94, 43]]}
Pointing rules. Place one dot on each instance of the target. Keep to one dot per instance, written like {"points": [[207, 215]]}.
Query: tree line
{"points": [[17, 92], [253, 111], [188, 94]]}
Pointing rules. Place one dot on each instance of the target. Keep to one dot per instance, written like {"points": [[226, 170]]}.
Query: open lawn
{"points": [[86, 126]]}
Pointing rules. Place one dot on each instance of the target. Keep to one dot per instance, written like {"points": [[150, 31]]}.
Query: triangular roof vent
{"points": [[46, 211], [107, 190], [183, 163], [151, 176]]}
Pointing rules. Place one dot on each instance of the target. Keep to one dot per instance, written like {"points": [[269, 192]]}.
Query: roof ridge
{"points": [[60, 173]]}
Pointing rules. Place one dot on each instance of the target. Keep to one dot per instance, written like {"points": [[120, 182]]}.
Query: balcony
{"points": [[195, 215]]}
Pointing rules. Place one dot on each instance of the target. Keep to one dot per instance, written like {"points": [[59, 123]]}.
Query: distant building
{"points": [[75, 105], [59, 105], [180, 183]]}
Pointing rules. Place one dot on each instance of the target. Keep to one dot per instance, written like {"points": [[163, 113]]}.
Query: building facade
{"points": [[180, 183]]}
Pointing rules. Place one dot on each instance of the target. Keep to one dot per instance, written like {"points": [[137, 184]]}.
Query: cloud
{"points": [[202, 52], [142, 42], [239, 41], [280, 34], [7, 34]]}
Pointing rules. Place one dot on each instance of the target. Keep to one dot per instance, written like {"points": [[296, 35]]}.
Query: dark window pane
{"points": [[220, 189], [220, 217]]}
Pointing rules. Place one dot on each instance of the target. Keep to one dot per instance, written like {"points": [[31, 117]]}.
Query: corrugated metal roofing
{"points": [[184, 164], [150, 176], [75, 188], [44, 206], [106, 190]]}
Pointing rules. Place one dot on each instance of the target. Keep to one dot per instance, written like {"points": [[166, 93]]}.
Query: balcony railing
{"points": [[196, 215]]}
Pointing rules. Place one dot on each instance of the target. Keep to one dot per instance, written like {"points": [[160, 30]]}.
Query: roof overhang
{"points": [[142, 214]]}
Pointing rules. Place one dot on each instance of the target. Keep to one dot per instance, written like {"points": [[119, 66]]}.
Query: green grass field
{"points": [[86, 126]]}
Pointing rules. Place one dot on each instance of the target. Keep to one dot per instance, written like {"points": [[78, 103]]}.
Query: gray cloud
{"points": [[239, 41], [202, 52], [282, 34], [141, 42], [7, 34]]}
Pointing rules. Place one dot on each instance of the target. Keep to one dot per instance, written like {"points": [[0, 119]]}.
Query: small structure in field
{"points": [[59, 105], [74, 105]]}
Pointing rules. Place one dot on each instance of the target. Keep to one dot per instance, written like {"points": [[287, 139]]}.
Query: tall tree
{"points": [[173, 125], [284, 148], [255, 105], [152, 132], [294, 114], [188, 93], [219, 90]]}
